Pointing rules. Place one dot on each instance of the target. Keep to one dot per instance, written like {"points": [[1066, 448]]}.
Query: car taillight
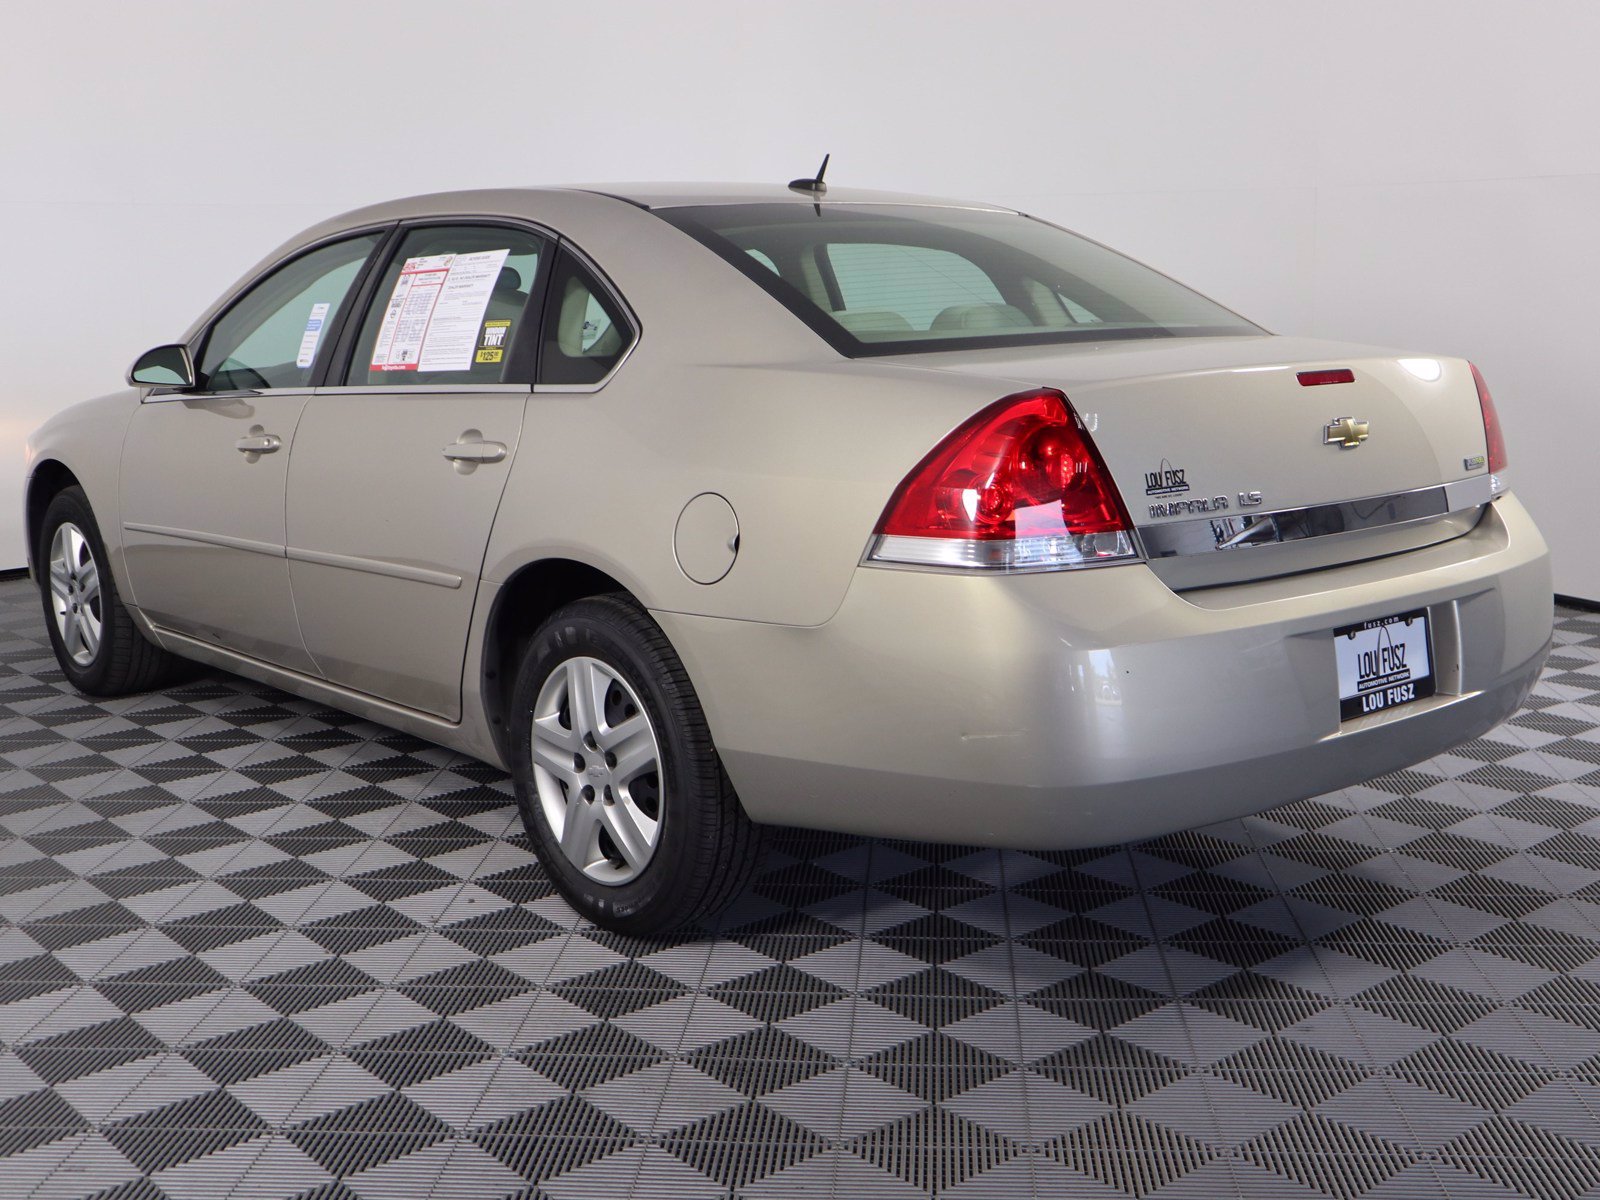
{"points": [[1492, 433], [1020, 486]]}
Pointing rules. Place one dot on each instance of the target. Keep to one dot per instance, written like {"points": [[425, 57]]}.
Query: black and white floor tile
{"points": [[253, 947]]}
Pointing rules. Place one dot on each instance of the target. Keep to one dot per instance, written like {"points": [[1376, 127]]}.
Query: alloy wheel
{"points": [[75, 594], [597, 770]]}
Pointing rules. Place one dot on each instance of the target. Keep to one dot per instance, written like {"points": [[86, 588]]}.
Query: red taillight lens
{"points": [[1323, 378], [1018, 485], [1492, 433]]}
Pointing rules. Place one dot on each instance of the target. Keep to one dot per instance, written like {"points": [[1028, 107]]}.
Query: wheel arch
{"points": [[522, 604], [50, 478]]}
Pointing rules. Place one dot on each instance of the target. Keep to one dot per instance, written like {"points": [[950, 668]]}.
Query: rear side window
{"points": [[586, 332], [274, 333], [450, 308]]}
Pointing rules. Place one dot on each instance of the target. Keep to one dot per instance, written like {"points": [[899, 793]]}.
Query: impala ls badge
{"points": [[1344, 432]]}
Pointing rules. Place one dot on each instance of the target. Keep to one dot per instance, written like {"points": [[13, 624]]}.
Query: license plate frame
{"points": [[1376, 663]]}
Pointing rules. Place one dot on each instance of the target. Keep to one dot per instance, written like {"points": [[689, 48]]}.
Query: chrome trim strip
{"points": [[1470, 493], [1022, 556], [376, 566], [208, 539], [163, 395], [400, 391], [1250, 530]]}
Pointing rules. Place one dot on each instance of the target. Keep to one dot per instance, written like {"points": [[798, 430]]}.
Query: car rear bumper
{"points": [[1092, 707]]}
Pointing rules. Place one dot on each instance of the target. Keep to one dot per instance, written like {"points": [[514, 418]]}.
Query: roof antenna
{"points": [[814, 186]]}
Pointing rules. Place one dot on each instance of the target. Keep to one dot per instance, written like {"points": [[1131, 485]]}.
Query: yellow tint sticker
{"points": [[493, 346]]}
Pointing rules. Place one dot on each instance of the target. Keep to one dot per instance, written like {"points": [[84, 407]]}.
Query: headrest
{"points": [[569, 320], [873, 324], [980, 318]]}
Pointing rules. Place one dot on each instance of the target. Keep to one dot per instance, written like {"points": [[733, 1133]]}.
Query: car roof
{"points": [[680, 195], [597, 197]]}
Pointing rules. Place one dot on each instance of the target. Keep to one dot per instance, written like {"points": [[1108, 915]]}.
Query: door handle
{"points": [[475, 452], [260, 443]]}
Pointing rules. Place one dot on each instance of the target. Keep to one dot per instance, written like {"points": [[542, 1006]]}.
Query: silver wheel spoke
{"points": [[634, 746], [89, 632], [627, 832], [578, 833], [555, 758], [58, 581], [88, 582], [586, 696], [549, 730]]}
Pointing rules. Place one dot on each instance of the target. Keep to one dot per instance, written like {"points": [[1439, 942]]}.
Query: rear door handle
{"points": [[475, 452], [260, 443]]}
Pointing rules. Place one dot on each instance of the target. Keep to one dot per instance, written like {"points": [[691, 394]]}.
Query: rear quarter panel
{"points": [[807, 455], [725, 392]]}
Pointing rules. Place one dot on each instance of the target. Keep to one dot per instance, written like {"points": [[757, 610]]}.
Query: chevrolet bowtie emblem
{"points": [[1345, 432]]}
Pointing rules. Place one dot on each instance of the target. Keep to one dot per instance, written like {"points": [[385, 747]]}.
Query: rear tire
{"points": [[616, 776], [100, 649]]}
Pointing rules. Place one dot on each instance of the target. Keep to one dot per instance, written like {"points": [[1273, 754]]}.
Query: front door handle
{"points": [[259, 443], [475, 452]]}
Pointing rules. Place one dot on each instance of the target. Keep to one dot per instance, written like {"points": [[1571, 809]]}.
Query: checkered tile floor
{"points": [[253, 947]]}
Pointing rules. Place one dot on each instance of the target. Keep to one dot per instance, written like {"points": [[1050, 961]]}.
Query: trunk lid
{"points": [[1216, 445]]}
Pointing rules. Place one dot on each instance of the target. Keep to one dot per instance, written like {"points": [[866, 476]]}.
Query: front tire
{"points": [[616, 776], [100, 649]]}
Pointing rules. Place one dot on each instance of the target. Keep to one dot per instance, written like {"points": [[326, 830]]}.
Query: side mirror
{"points": [[165, 366]]}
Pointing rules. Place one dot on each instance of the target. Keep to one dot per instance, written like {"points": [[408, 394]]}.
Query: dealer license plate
{"points": [[1383, 664]]}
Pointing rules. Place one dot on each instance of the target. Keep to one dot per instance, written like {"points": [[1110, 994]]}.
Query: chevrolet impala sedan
{"points": [[701, 508]]}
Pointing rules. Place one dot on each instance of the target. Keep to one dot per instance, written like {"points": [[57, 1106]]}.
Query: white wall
{"points": [[1422, 174]]}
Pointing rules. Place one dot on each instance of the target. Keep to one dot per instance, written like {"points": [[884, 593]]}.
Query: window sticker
{"points": [[405, 320], [432, 319], [492, 349], [312, 335]]}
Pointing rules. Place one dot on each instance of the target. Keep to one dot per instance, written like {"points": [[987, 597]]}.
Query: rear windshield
{"points": [[896, 279]]}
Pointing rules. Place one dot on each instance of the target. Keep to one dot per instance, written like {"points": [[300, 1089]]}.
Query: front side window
{"points": [[897, 279], [274, 333], [449, 308], [586, 332]]}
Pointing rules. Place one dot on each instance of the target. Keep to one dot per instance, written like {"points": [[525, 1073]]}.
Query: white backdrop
{"points": [[1408, 172]]}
